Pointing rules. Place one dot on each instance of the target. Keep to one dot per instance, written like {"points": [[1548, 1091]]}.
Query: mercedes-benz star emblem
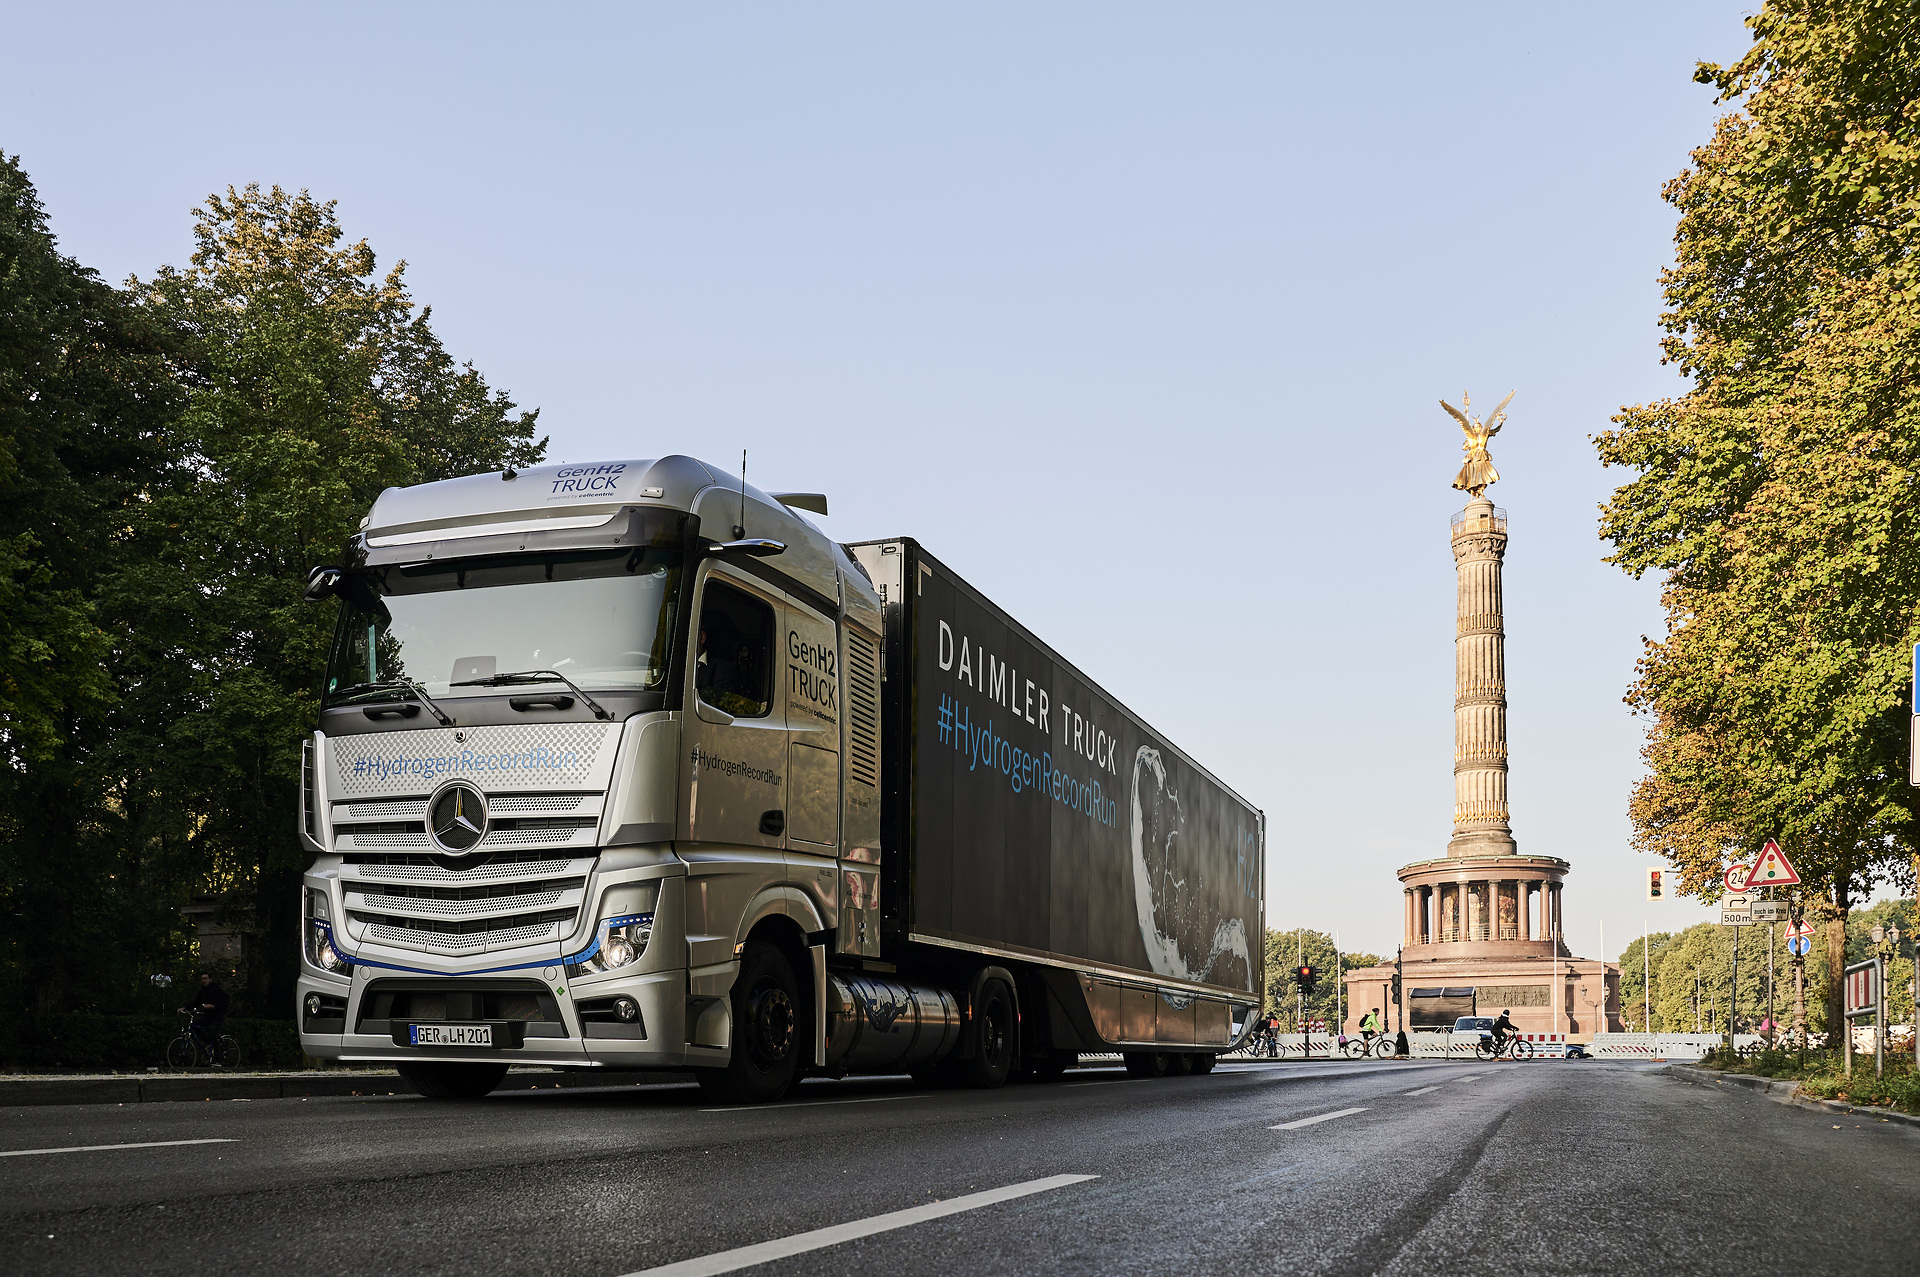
{"points": [[457, 818]]}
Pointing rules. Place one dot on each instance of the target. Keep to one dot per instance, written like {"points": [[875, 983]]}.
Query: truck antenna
{"points": [[740, 528]]}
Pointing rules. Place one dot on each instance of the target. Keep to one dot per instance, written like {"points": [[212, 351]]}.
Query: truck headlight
{"points": [[320, 950], [617, 943]]}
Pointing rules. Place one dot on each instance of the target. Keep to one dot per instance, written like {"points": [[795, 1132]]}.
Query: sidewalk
{"points": [[1784, 1091], [155, 1088]]}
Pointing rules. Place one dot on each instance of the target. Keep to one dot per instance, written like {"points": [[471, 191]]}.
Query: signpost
{"points": [[1736, 910], [1735, 879], [1770, 911], [1799, 946], [1771, 870]]}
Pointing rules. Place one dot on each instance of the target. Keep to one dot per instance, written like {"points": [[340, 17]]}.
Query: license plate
{"points": [[450, 1034]]}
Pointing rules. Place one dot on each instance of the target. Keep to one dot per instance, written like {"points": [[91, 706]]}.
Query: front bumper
{"points": [[657, 1040]]}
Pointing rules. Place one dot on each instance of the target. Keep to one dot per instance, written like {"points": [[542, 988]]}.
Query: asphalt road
{"points": [[1543, 1167]]}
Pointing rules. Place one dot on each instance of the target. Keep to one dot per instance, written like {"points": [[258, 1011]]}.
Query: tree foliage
{"points": [[289, 383], [1779, 497]]}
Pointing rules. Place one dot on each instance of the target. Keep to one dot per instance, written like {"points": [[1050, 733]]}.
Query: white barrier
{"points": [[1663, 1046]]}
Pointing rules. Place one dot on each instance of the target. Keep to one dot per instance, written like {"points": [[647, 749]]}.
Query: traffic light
{"points": [[1396, 986], [1305, 977], [1656, 884]]}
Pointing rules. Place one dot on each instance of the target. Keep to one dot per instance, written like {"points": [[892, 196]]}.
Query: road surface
{"points": [[1377, 1167]]}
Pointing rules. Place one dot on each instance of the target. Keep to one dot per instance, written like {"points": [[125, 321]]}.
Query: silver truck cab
{"points": [[588, 733]]}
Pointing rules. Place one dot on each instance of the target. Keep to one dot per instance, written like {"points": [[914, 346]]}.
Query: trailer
{"points": [[628, 765]]}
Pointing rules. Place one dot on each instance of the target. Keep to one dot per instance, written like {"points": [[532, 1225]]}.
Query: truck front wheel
{"points": [[452, 1081], [766, 1031]]}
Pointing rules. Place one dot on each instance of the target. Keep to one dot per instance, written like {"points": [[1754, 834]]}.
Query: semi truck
{"points": [[628, 766]]}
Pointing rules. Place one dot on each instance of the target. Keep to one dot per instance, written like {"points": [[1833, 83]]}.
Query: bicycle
{"points": [[1514, 1048], [1380, 1047], [191, 1048]]}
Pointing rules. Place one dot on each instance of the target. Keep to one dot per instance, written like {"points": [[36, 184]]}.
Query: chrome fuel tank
{"points": [[875, 1024]]}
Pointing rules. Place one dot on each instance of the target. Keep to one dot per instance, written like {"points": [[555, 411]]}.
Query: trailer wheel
{"points": [[766, 1031], [1201, 1062], [1179, 1064], [452, 1081], [990, 1032], [1146, 1063]]}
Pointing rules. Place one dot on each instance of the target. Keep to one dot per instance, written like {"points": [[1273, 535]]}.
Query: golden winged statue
{"points": [[1475, 476]]}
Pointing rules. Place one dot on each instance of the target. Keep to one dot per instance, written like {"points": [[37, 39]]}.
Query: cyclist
{"points": [[1503, 1028], [1370, 1026], [209, 1015]]}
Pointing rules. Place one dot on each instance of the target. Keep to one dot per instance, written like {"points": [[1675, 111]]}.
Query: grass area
{"points": [[1822, 1075]]}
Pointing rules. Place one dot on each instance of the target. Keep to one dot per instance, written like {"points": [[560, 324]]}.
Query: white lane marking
{"points": [[809, 1104], [101, 1148], [1310, 1121], [727, 1261], [1422, 1091]]}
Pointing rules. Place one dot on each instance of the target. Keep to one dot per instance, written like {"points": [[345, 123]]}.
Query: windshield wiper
{"points": [[400, 685], [534, 676]]}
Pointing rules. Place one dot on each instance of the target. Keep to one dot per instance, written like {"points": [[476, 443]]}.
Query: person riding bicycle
{"points": [[1370, 1026], [209, 1015], [1503, 1028]]}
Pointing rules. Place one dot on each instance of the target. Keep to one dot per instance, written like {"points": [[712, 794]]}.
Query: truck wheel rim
{"points": [[772, 1038]]}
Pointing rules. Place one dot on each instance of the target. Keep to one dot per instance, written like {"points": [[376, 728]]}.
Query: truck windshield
{"points": [[602, 618]]}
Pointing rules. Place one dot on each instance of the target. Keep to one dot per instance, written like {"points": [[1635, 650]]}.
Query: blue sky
{"points": [[1134, 315]]}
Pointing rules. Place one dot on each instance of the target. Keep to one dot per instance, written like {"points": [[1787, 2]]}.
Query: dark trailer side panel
{"points": [[1030, 814]]}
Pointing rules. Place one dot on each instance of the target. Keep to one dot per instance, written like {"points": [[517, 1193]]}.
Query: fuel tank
{"points": [[876, 1025]]}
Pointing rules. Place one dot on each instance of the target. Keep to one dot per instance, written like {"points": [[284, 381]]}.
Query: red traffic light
{"points": [[1305, 976]]}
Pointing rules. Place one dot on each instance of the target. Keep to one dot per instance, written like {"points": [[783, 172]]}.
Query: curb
{"points": [[177, 1089], [1783, 1091]]}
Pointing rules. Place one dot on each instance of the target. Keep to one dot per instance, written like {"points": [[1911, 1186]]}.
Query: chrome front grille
{"points": [[517, 820], [433, 903]]}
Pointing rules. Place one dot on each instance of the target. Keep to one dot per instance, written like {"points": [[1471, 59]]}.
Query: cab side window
{"points": [[733, 671]]}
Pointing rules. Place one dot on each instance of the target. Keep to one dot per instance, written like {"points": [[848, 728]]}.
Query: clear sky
{"points": [[1136, 315]]}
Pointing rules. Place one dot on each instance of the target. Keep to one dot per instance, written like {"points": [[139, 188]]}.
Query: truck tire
{"points": [[1146, 1063], [766, 1031], [452, 1081], [1201, 1062], [990, 1032]]}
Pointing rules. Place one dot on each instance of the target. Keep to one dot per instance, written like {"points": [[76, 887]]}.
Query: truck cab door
{"points": [[733, 760]]}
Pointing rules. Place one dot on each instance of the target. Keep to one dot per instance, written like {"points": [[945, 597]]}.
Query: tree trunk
{"points": [[1837, 962]]}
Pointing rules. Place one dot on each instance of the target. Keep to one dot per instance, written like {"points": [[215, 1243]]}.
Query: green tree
{"points": [[1778, 496], [87, 390], [313, 385], [175, 458]]}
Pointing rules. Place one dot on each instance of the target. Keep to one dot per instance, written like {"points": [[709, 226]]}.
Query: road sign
{"points": [[1771, 910], [1803, 929], [1735, 877], [1736, 910], [1862, 988], [1799, 946], [1772, 869]]}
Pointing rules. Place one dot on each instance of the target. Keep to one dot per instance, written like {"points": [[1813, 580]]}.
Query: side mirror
{"points": [[323, 584], [757, 547]]}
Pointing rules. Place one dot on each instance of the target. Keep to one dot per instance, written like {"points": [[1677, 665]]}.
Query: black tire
{"points": [[1201, 1062], [181, 1053], [1146, 1063], [1179, 1064], [229, 1052], [439, 1081], [1522, 1050], [766, 1031], [992, 1032], [1383, 1048], [1485, 1051]]}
